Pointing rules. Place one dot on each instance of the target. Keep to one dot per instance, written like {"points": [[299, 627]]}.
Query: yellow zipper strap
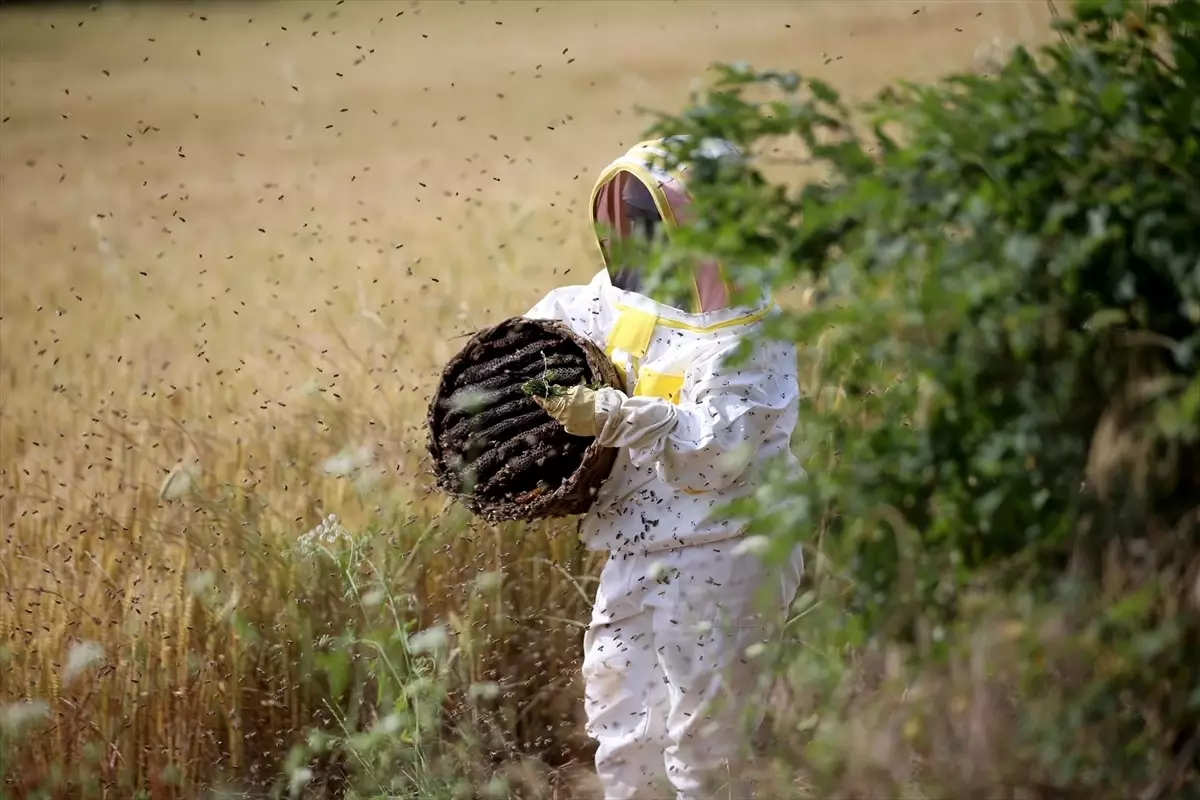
{"points": [[631, 332], [745, 319]]}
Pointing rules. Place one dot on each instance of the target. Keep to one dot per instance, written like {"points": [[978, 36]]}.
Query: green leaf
{"points": [[336, 666]]}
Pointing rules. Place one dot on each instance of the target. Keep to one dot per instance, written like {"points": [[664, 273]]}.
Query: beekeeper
{"points": [[669, 668]]}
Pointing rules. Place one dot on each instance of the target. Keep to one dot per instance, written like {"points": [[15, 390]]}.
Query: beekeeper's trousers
{"points": [[671, 691]]}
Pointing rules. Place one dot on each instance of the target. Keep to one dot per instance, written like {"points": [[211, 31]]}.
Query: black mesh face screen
{"points": [[645, 223], [638, 198]]}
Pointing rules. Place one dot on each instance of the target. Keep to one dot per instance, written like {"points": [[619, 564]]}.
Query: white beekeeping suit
{"points": [[666, 671]]}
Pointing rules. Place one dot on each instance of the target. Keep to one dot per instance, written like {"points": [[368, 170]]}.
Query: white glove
{"points": [[613, 417], [575, 410]]}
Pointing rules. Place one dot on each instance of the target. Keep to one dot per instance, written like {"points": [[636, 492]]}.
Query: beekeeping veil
{"points": [[636, 196]]}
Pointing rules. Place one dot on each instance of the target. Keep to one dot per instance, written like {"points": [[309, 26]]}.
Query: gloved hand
{"points": [[575, 410]]}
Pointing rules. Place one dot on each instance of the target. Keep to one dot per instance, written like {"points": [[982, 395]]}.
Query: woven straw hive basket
{"points": [[493, 448]]}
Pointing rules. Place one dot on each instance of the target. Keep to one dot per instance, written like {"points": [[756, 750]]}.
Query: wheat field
{"points": [[237, 243]]}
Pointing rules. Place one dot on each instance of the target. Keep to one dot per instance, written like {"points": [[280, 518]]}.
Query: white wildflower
{"points": [[430, 639], [14, 717], [328, 531], [180, 481], [307, 543], [81, 656], [389, 725], [349, 462], [485, 690], [332, 530], [301, 776], [201, 582], [374, 597], [497, 788], [367, 479], [339, 466], [489, 581]]}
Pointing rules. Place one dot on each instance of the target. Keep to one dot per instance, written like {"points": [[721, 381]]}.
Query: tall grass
{"points": [[142, 606], [220, 320]]}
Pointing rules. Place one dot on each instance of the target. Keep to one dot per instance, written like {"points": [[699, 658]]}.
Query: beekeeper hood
{"points": [[637, 196]]}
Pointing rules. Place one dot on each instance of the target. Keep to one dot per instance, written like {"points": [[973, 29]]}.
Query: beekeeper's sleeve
{"points": [[577, 306], [708, 440]]}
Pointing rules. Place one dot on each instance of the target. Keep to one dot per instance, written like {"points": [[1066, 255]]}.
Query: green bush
{"points": [[1009, 273]]}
